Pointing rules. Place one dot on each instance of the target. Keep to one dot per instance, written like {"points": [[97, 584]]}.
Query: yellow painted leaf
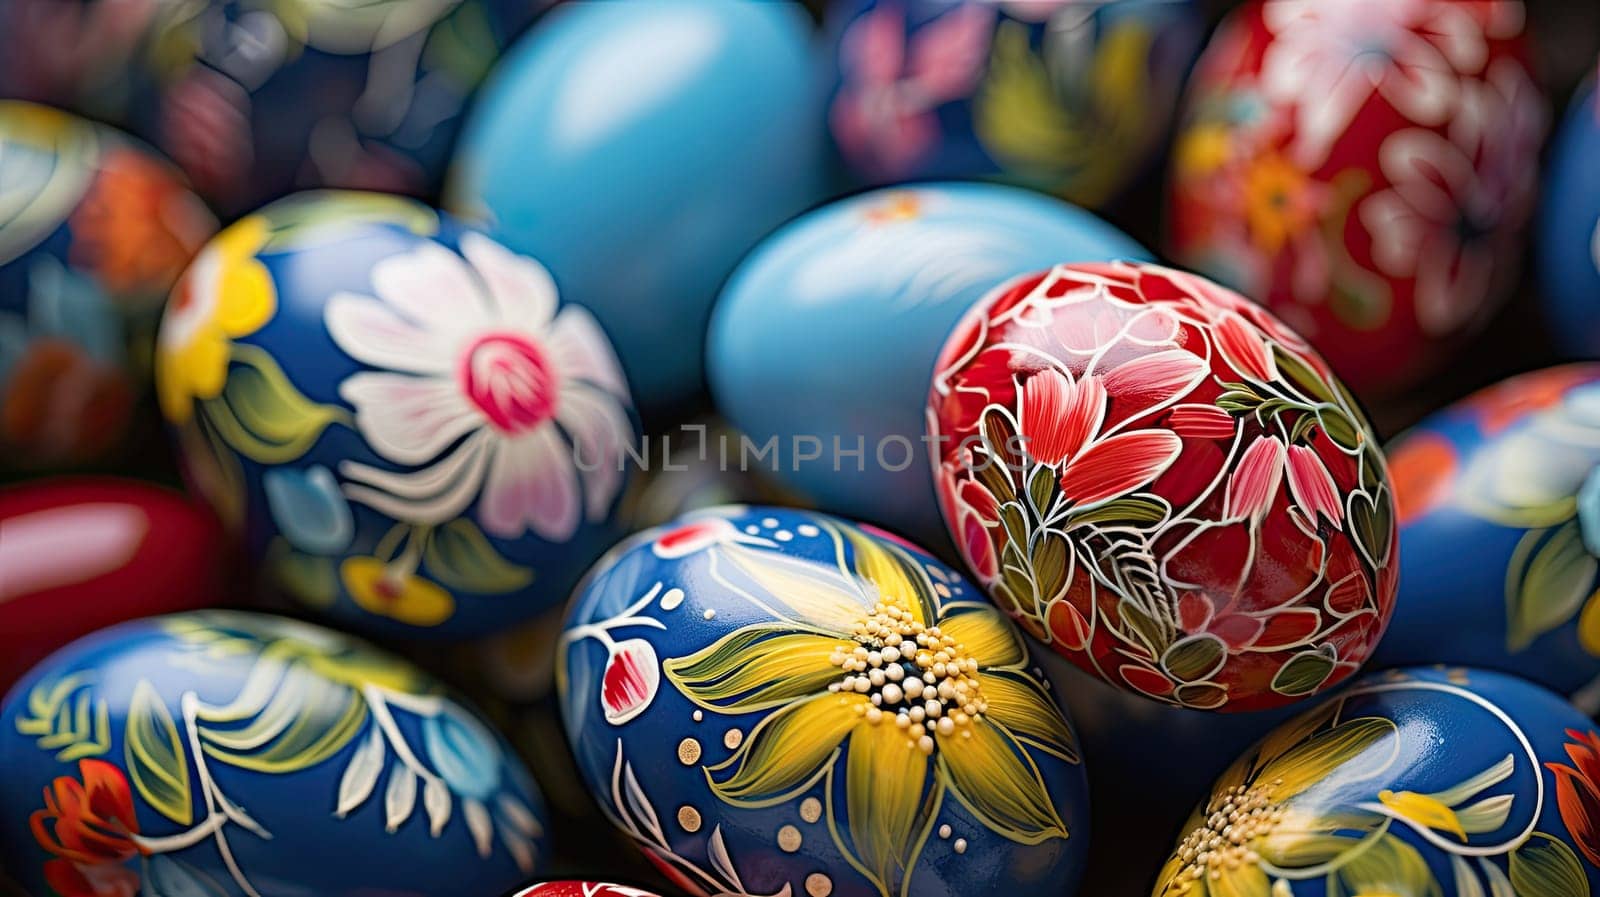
{"points": [[157, 762], [1423, 810]]}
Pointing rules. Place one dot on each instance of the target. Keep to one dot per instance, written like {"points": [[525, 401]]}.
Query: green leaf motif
{"points": [[1195, 657], [1302, 376], [1304, 673], [291, 713], [1550, 575], [460, 556], [1546, 867], [67, 716], [154, 752], [262, 415], [1136, 509]]}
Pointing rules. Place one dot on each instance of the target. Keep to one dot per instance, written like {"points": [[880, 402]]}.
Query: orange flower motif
{"points": [[139, 226], [1578, 792], [1421, 467], [1281, 202], [1505, 403], [90, 826]]}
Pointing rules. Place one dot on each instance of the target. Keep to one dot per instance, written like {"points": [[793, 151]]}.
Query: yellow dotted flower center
{"points": [[915, 677], [1235, 821]]}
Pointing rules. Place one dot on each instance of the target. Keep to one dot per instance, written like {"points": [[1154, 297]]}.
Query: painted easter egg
{"points": [[1364, 169], [1568, 249], [1499, 511], [94, 231], [1066, 97], [639, 150], [80, 554], [842, 313], [581, 889], [257, 100], [406, 425], [1428, 781], [780, 702], [222, 753], [1162, 482]]}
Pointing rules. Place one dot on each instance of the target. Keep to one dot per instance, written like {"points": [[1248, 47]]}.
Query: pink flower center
{"points": [[508, 377]]}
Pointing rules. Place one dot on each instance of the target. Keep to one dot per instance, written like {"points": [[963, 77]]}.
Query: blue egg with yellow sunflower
{"points": [[1498, 499], [405, 424], [94, 230], [843, 311], [1422, 782], [772, 701], [1067, 97], [1568, 248], [639, 150], [224, 753], [257, 100]]}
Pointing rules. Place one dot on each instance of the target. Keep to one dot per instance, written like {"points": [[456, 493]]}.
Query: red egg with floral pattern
{"points": [[1365, 169], [1165, 484], [582, 889]]}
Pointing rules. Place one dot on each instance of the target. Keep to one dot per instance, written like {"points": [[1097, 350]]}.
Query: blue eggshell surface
{"points": [[639, 149], [241, 754], [1499, 512], [829, 330], [408, 427], [1568, 249], [734, 684], [1451, 782]]}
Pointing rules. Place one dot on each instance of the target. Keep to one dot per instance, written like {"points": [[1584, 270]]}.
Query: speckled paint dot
{"points": [[697, 716], [710, 614], [960, 845], [938, 573], [811, 809], [942, 589], [689, 818], [732, 739], [688, 752], [753, 530], [944, 832], [789, 839], [783, 535], [811, 532], [819, 885], [672, 599], [770, 522]]}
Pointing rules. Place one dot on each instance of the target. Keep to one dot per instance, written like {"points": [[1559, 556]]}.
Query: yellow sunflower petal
{"points": [[758, 667], [885, 774], [1017, 702], [985, 634], [899, 580], [814, 594], [995, 779], [1244, 880], [1295, 732], [1423, 810], [787, 751], [1364, 746], [1169, 885]]}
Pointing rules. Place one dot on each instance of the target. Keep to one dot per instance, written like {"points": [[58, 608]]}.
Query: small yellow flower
{"points": [[1280, 202], [388, 591], [226, 294], [1203, 149]]}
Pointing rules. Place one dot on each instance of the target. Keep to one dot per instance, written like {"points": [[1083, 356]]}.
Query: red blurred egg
{"points": [[1159, 480], [581, 889], [80, 554], [1364, 168]]}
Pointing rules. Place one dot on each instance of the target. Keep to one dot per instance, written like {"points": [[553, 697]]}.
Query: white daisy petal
{"points": [[433, 287], [581, 350], [407, 419], [532, 484], [368, 331], [598, 428], [433, 495], [523, 292]]}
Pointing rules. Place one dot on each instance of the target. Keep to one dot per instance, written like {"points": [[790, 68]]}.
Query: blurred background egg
{"points": [[1568, 248], [404, 422], [223, 753], [1445, 781], [828, 331], [1163, 483], [135, 550], [639, 150], [1365, 170], [94, 230], [256, 100], [1070, 98], [773, 701], [1499, 511], [581, 889]]}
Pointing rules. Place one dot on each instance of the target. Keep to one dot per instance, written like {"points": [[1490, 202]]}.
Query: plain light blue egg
{"points": [[830, 329], [639, 150], [1569, 236]]}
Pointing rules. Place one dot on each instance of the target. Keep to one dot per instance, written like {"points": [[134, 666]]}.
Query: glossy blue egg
{"points": [[1450, 782], [1499, 511], [781, 702], [639, 149], [1568, 248], [406, 425], [825, 337], [1068, 97], [256, 100], [240, 755]]}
